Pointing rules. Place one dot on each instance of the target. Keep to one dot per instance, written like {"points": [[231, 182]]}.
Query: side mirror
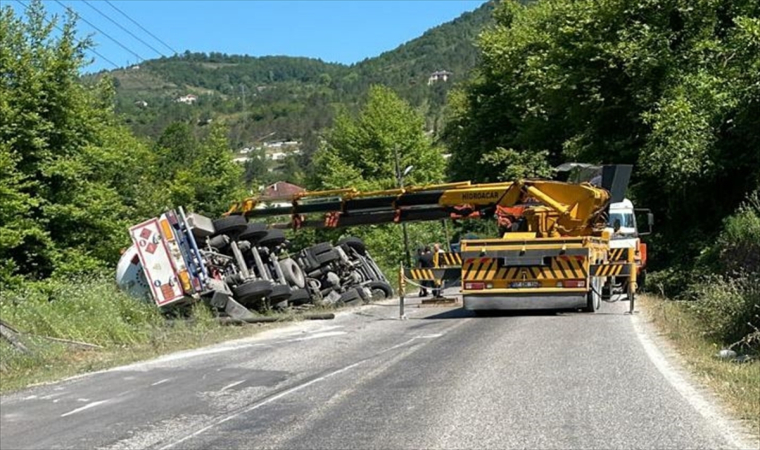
{"points": [[650, 220]]}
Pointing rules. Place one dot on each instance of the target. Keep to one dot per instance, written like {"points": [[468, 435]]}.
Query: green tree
{"points": [[671, 87], [361, 151], [72, 177]]}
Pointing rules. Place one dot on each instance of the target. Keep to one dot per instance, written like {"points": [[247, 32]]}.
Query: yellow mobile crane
{"points": [[555, 253]]}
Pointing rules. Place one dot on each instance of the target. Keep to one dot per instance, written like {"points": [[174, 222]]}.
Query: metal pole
{"points": [[400, 181], [401, 292]]}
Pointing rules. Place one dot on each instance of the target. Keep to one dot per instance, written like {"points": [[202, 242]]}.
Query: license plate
{"points": [[524, 284]]}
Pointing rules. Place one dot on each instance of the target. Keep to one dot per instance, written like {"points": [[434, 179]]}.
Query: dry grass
{"points": [[738, 384]]}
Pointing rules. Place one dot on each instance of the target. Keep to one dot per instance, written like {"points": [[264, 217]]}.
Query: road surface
{"points": [[441, 379]]}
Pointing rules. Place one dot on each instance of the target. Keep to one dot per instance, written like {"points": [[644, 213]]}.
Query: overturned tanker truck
{"points": [[234, 265]]}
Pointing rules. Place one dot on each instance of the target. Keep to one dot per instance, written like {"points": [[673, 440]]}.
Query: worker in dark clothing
{"points": [[425, 262]]}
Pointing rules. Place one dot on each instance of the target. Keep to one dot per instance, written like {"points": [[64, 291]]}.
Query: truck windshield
{"points": [[626, 220]]}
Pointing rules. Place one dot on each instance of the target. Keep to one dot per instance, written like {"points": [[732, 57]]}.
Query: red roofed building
{"points": [[281, 190]]}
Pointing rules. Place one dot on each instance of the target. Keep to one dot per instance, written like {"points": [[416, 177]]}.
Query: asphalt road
{"points": [[441, 379]]}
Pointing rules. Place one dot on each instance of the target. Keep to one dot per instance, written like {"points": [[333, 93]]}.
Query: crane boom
{"points": [[551, 208]]}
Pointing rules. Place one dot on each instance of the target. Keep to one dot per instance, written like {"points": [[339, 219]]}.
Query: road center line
{"points": [[87, 406], [160, 381], [231, 385]]}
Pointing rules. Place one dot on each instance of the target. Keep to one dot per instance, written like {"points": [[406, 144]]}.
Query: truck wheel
{"points": [[252, 291], [350, 298], [272, 238], [279, 293], [293, 273], [594, 297], [380, 290], [232, 226], [253, 232], [354, 243], [299, 297]]}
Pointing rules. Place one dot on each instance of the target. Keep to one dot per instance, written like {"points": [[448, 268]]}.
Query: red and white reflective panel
{"points": [[156, 262]]}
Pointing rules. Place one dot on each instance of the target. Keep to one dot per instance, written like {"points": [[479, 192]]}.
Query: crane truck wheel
{"points": [[232, 226], [380, 290], [253, 232], [293, 273], [594, 297], [272, 238], [252, 291], [354, 243]]}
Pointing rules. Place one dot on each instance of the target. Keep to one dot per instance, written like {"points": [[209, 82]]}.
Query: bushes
{"points": [[729, 308], [91, 310]]}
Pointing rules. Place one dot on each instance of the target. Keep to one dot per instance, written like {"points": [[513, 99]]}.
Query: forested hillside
{"points": [[289, 96]]}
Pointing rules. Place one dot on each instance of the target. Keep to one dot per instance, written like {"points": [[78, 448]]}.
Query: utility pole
{"points": [[400, 181]]}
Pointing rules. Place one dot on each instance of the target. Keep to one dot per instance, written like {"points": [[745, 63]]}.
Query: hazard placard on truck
{"points": [[157, 263]]}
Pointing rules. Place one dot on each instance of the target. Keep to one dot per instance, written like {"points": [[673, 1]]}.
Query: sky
{"points": [[345, 31]]}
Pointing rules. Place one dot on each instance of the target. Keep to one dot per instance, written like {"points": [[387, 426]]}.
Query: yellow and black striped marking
{"points": [[619, 254], [484, 269], [420, 274], [448, 259], [611, 270]]}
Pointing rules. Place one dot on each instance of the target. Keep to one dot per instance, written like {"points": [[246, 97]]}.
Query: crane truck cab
{"points": [[624, 234]]}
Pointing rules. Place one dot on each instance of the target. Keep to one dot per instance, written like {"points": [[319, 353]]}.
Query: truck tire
{"points": [[354, 243], [380, 290], [253, 232], [280, 292], [293, 273], [272, 238], [252, 291], [350, 298], [232, 226], [594, 297], [299, 297]]}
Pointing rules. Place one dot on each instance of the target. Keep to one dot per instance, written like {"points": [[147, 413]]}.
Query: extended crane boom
{"points": [[551, 208]]}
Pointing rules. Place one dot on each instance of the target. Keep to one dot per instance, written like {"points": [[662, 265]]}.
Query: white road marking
{"points": [[231, 385], [51, 396], [160, 381], [31, 397], [87, 406], [317, 336], [262, 403], [83, 400], [711, 414]]}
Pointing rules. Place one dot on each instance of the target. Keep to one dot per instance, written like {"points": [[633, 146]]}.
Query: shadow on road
{"points": [[461, 313]]}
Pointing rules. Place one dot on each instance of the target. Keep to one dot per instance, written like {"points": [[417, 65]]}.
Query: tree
{"points": [[361, 152], [72, 177], [671, 87]]}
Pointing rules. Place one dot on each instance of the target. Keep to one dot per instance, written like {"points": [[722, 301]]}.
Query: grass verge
{"points": [[96, 312], [738, 384]]}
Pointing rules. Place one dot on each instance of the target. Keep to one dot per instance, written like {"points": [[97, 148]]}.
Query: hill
{"points": [[290, 98]]}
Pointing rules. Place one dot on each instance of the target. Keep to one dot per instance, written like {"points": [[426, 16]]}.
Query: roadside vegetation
{"points": [[672, 87]]}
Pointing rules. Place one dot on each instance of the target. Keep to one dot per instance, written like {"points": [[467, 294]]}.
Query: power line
{"points": [[26, 8], [120, 26], [101, 31], [141, 27]]}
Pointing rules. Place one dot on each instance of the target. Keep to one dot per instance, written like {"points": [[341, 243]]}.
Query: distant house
{"points": [[282, 190], [141, 104], [188, 99], [440, 75]]}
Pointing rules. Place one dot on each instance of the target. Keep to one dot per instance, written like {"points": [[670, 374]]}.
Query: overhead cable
{"points": [[141, 27], [125, 30]]}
